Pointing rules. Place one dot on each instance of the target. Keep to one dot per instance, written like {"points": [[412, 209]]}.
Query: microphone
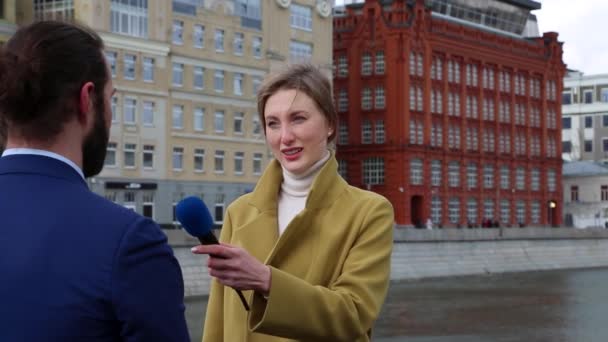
{"points": [[194, 216]]}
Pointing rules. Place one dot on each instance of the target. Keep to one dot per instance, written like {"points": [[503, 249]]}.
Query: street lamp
{"points": [[552, 206]]}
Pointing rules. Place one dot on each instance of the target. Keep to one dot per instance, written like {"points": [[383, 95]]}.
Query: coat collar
{"points": [[40, 165], [326, 187]]}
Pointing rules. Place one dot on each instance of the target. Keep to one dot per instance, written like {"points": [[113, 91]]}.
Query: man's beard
{"points": [[95, 144]]}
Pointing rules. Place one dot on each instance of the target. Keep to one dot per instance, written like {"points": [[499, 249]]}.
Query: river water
{"points": [[552, 306]]}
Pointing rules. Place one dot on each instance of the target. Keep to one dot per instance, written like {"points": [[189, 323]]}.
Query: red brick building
{"points": [[450, 111]]}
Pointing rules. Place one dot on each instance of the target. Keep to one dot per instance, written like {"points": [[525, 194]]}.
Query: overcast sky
{"points": [[581, 26]]}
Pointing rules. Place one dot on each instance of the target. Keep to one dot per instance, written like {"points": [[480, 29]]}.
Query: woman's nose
{"points": [[286, 135]]}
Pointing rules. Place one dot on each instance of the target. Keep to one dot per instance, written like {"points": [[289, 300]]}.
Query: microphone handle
{"points": [[210, 239]]}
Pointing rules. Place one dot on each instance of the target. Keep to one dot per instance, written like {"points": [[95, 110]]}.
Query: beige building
{"points": [[585, 194], [186, 71], [8, 19]]}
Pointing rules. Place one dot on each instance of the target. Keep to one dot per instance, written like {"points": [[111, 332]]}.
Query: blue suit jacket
{"points": [[77, 267]]}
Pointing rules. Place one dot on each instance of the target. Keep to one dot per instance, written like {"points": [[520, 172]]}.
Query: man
{"points": [[73, 266]]}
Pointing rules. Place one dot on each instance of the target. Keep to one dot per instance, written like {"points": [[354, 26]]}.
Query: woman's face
{"points": [[296, 130]]}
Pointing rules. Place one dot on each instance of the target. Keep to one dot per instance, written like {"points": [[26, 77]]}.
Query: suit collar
{"points": [[39, 165]]}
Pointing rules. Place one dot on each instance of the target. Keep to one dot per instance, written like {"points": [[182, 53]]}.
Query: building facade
{"points": [[8, 19], [585, 117], [585, 194], [185, 120], [449, 110]]}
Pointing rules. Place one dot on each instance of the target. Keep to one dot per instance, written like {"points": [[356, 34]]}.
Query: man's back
{"points": [[76, 267]]}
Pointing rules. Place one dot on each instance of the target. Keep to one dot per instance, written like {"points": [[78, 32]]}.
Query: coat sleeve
{"points": [[214, 317], [147, 286], [347, 308]]}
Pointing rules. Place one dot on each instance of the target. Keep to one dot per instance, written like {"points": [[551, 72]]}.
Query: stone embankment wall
{"points": [[421, 254]]}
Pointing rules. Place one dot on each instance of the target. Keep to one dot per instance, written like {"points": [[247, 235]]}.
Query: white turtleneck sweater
{"points": [[294, 192]]}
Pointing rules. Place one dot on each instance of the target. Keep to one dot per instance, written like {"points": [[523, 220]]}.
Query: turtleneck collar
{"points": [[299, 185]]}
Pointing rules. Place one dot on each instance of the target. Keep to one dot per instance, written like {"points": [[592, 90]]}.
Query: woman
{"points": [[311, 252]]}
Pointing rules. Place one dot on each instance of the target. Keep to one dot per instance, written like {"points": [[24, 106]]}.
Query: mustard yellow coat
{"points": [[330, 268]]}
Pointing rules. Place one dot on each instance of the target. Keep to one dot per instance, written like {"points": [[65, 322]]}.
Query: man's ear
{"points": [[85, 102]]}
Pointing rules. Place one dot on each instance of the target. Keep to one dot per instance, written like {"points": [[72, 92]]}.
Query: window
{"points": [[416, 64], [574, 193], [218, 81], [219, 208], [373, 171], [504, 177], [199, 119], [435, 172], [605, 120], [199, 160], [366, 64], [379, 65], [520, 178], [379, 101], [505, 211], [129, 200], [49, 10], [342, 100], [604, 94], [198, 39], [178, 74], [238, 83], [342, 134], [111, 59], [148, 114], [604, 189], [237, 43], [454, 210], [299, 52], [454, 174], [250, 13], [238, 123], [343, 168], [436, 69], [113, 106], [566, 123], [379, 135], [472, 211], [415, 98], [178, 158], [219, 40], [148, 69], [366, 132], [488, 209], [488, 176], [535, 179], [129, 151], [257, 47], [219, 162], [301, 17], [129, 17], [416, 171], [257, 163], [520, 212], [219, 121], [238, 162], [148, 205], [130, 105], [588, 122], [342, 66], [566, 98], [454, 71], [472, 176], [178, 32], [566, 146], [199, 77], [257, 127], [605, 144], [178, 116], [436, 210], [588, 96], [535, 212], [129, 72], [588, 146], [148, 157], [551, 182], [110, 154], [366, 99]]}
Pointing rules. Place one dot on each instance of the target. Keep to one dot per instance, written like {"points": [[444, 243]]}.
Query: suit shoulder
{"points": [[370, 197], [240, 203]]}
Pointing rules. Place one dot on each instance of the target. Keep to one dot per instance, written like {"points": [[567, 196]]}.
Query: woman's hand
{"points": [[232, 266]]}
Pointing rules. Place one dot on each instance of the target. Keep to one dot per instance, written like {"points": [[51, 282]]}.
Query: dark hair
{"points": [[305, 78], [42, 69]]}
